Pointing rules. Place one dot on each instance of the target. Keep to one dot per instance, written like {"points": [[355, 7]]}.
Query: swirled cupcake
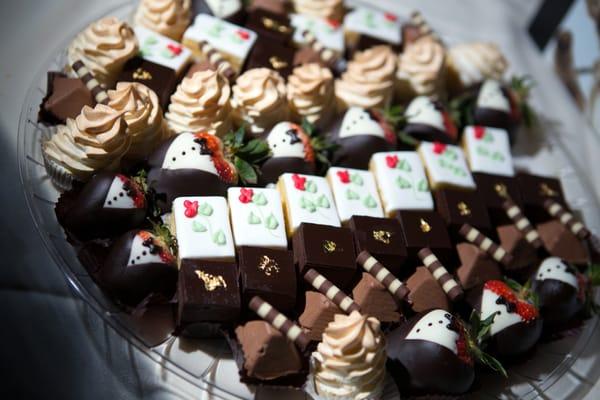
{"points": [[472, 63], [350, 361], [259, 100], [369, 80], [328, 9], [310, 93], [167, 17], [421, 69], [94, 141], [143, 116], [104, 47], [201, 103]]}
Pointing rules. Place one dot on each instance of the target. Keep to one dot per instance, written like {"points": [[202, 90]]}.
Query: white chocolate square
{"points": [[376, 23], [355, 193], [307, 198], [401, 181], [202, 228], [257, 217], [488, 150], [446, 166], [162, 50], [328, 33]]}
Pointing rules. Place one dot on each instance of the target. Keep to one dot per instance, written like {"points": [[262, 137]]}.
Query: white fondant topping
{"points": [[503, 318], [328, 34], [202, 228], [224, 8], [162, 50], [491, 96], [355, 193], [422, 111], [490, 153], [184, 153], [401, 181], [284, 144], [117, 197], [555, 268], [446, 168], [378, 24], [257, 217], [357, 121], [433, 327], [140, 254]]}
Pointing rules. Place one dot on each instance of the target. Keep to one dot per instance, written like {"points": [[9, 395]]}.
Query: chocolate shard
{"points": [[512, 239], [65, 97], [476, 266], [317, 314], [559, 241], [375, 300], [425, 292]]}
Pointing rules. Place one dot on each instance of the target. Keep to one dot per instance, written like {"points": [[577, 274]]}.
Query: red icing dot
{"points": [[243, 34], [191, 208], [390, 17], [439, 148], [479, 132], [175, 48], [246, 195], [391, 161], [344, 176], [333, 23], [299, 181]]}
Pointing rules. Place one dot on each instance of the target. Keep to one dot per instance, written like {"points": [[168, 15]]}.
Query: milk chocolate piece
{"points": [[270, 274], [270, 26], [559, 241], [273, 55], [425, 292], [375, 300], [318, 313], [459, 207], [491, 191], [383, 238], [535, 190], [159, 78], [513, 241], [65, 97], [327, 249], [476, 266]]}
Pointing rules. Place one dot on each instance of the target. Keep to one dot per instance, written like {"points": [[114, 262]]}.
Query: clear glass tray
{"points": [[561, 369]]}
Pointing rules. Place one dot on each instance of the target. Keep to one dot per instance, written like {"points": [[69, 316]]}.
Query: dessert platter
{"points": [[313, 199]]}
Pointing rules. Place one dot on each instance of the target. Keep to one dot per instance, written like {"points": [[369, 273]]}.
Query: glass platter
{"points": [[565, 368]]}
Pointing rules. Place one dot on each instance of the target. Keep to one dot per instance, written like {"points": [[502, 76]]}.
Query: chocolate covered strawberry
{"points": [[427, 119]]}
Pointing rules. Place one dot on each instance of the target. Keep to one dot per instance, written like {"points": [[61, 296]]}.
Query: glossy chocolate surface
{"points": [[558, 301], [491, 190], [276, 166], [356, 151], [459, 207], [273, 55], [535, 190]]}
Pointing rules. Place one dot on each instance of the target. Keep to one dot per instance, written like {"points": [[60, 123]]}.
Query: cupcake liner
{"points": [[62, 179]]}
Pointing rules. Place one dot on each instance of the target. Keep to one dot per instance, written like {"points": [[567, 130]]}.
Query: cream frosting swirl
{"points": [[350, 361], [143, 115], [421, 67], [201, 103], [167, 17], [369, 79], [104, 47], [329, 9], [310, 92], [96, 140], [259, 100], [477, 61]]}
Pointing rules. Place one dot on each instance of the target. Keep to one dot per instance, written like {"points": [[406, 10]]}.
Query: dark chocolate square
{"points": [[327, 249], [268, 54], [459, 207], [270, 26], [270, 274], [535, 190], [490, 191], [157, 77], [208, 292], [383, 238]]}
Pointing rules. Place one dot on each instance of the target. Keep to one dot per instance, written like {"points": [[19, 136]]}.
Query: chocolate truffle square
{"points": [[270, 26], [383, 238], [269, 54], [492, 190], [459, 207], [535, 190], [161, 79], [329, 250], [270, 274], [208, 292]]}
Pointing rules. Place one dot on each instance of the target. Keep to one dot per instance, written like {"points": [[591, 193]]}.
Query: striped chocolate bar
{"points": [[567, 219], [90, 82], [279, 321], [332, 292], [383, 275], [441, 274], [522, 223], [327, 55], [423, 27], [216, 59], [486, 244]]}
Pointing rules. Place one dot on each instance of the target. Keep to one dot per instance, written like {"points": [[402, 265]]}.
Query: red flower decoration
{"points": [[391, 161], [439, 148], [333, 23], [344, 176], [299, 182], [243, 34], [175, 48], [246, 195], [479, 132], [390, 17], [191, 208]]}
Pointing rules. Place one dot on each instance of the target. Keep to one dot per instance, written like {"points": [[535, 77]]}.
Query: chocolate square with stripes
{"points": [[270, 274], [459, 207], [159, 78], [535, 190], [327, 249], [270, 26], [492, 191], [383, 238], [269, 54]]}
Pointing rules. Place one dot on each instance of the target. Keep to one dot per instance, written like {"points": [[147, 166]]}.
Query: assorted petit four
{"points": [[458, 207], [427, 119], [446, 166], [328, 32], [373, 23], [488, 150], [354, 192]]}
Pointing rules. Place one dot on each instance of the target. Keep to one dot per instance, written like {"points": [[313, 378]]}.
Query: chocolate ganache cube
{"points": [[535, 190], [329, 250], [272, 55], [383, 238], [492, 191], [458, 207], [270, 26], [270, 274]]}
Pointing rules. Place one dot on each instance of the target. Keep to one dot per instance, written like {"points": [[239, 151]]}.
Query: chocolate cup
{"points": [[428, 133], [356, 151], [275, 166], [558, 301]]}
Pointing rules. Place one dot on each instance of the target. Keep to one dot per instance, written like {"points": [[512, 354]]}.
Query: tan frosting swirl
{"points": [[350, 361], [167, 17], [95, 140], [330, 9], [104, 47], [369, 80], [259, 99], [477, 61], [421, 67], [201, 103], [143, 115], [310, 92]]}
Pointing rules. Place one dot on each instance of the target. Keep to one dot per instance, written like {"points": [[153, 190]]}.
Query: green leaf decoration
{"points": [[260, 199], [271, 222], [422, 186], [487, 138], [482, 151], [150, 40], [245, 170], [352, 195], [167, 54], [307, 205], [404, 165], [253, 219], [356, 179], [497, 156], [205, 209], [323, 202], [450, 154], [311, 187], [145, 51], [369, 202], [403, 183], [198, 227], [219, 238]]}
